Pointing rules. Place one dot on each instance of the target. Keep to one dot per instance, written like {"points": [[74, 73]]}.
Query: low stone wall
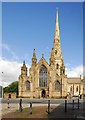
{"points": [[10, 95]]}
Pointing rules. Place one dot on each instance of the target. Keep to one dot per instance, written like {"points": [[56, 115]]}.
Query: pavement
{"points": [[57, 110]]}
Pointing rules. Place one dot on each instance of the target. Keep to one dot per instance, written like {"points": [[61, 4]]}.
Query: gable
{"points": [[42, 62]]}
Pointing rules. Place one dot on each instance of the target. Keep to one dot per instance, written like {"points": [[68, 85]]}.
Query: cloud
{"points": [[74, 71], [11, 71], [6, 47]]}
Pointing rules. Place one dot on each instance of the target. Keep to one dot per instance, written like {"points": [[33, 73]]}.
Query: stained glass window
{"points": [[43, 76]]}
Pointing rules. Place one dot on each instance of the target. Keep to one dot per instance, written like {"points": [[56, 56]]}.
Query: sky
{"points": [[26, 26]]}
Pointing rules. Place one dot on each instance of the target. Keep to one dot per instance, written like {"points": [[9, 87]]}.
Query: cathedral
{"points": [[49, 79]]}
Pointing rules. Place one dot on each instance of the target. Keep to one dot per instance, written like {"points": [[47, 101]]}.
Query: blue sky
{"points": [[31, 25], [26, 26]]}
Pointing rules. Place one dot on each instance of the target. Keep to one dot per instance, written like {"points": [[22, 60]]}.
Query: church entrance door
{"points": [[9, 95], [43, 93]]}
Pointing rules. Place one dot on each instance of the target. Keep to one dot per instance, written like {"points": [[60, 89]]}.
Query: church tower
{"points": [[56, 59], [22, 81]]}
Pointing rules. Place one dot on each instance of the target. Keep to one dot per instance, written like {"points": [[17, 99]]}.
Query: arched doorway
{"points": [[43, 93], [9, 95]]}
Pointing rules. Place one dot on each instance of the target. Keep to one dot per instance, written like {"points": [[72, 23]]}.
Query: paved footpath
{"points": [[13, 107], [58, 111]]}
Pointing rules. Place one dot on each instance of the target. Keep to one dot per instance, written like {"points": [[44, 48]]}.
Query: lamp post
{"points": [[2, 86]]}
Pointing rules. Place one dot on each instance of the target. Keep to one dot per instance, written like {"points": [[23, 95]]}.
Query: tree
{"points": [[13, 87], [5, 89]]}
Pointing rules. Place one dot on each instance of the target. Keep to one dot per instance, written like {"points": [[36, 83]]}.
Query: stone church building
{"points": [[49, 79]]}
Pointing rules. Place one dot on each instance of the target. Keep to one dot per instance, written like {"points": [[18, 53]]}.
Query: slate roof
{"points": [[73, 80]]}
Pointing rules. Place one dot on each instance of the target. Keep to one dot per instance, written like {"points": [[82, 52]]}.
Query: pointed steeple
{"points": [[57, 31], [34, 59], [56, 59], [56, 47]]}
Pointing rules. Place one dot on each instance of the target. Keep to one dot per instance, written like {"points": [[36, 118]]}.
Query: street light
{"points": [[2, 86]]}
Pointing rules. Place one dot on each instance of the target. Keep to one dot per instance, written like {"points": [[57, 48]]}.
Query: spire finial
{"points": [[42, 55], [24, 62], [34, 53], [34, 50]]}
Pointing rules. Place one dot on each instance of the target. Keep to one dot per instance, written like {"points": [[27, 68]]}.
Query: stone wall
{"points": [[10, 95]]}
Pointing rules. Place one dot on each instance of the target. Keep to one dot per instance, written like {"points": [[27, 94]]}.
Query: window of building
{"points": [[43, 76], [71, 89], [27, 85], [57, 66], [57, 86], [55, 51], [77, 89]]}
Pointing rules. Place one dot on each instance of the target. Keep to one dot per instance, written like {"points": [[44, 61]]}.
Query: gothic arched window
{"points": [[43, 76], [27, 85], [57, 86], [77, 89]]}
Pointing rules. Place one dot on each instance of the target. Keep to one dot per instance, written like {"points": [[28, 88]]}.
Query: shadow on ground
{"points": [[59, 112]]}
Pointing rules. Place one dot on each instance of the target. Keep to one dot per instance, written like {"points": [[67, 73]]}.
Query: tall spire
{"points": [[56, 46], [57, 33], [56, 53]]}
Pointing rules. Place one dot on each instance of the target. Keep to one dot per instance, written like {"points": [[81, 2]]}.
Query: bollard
{"points": [[73, 104], [65, 105], [30, 107], [48, 106], [8, 103], [78, 104], [20, 105]]}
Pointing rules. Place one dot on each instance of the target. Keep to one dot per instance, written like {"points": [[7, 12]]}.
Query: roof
{"points": [[74, 80]]}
